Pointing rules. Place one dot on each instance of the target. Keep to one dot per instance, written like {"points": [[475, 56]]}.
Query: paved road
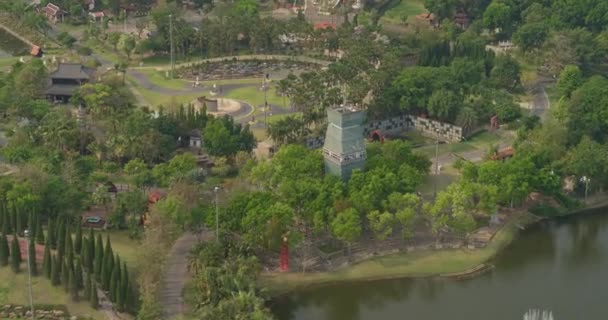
{"points": [[540, 103]]}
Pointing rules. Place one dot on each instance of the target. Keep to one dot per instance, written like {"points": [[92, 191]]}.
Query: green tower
{"points": [[344, 148]]}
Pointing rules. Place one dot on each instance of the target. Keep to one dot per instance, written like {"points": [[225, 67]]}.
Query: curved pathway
{"points": [[243, 58]]}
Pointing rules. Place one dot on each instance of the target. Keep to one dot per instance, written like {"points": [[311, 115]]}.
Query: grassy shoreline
{"points": [[427, 263]]}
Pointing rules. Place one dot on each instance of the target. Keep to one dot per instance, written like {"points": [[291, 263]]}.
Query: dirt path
{"points": [[16, 35], [176, 273]]}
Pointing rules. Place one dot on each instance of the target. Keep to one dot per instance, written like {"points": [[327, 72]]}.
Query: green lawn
{"points": [[158, 78], [255, 97], [13, 291], [480, 141], [415, 264], [6, 62], [400, 8]]}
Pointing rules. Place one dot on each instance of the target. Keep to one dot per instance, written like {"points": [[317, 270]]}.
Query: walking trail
{"points": [[176, 273]]}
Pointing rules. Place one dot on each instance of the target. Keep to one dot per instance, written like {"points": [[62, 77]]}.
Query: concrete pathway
{"points": [[176, 273]]}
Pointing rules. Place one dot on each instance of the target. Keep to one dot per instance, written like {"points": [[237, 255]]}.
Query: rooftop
{"points": [[62, 89], [72, 71]]}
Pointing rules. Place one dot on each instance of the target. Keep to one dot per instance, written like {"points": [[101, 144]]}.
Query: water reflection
{"points": [[557, 265]]}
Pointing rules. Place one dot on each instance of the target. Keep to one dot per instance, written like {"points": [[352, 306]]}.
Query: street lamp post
{"points": [[171, 42], [436, 161], [586, 181], [29, 273], [217, 215]]}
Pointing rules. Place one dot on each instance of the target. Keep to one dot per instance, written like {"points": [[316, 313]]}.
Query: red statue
{"points": [[284, 255]]}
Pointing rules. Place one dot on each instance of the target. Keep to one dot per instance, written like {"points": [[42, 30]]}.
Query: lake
{"points": [[559, 265], [11, 46]]}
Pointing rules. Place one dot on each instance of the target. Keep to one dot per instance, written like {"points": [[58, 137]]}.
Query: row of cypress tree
{"points": [[78, 262]]}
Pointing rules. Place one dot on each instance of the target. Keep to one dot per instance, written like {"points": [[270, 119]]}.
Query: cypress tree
{"points": [[114, 282], [90, 251], [51, 234], [15, 255], [2, 213], [69, 245], [4, 251], [78, 239], [6, 226], [13, 219], [39, 232], [18, 223], [78, 273], [30, 223], [83, 247], [65, 276], [55, 270], [124, 287], [98, 258], [47, 262], [106, 273], [61, 240], [108, 265], [94, 301], [73, 286], [32, 257], [87, 288]]}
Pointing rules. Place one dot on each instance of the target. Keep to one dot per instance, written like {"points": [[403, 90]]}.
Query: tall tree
{"points": [[78, 238], [90, 251], [69, 245], [73, 286], [47, 262], [78, 273], [87, 287], [32, 257], [61, 228], [55, 271], [15, 255], [65, 275], [4, 251], [114, 287], [98, 258], [94, 301], [40, 239], [51, 233], [347, 226]]}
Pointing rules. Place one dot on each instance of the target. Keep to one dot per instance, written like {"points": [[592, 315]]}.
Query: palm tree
{"points": [[467, 119], [283, 88]]}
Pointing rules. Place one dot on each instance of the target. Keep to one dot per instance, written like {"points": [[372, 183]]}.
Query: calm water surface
{"points": [[557, 265]]}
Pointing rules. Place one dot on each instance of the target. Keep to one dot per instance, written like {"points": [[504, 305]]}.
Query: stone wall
{"points": [[426, 127]]}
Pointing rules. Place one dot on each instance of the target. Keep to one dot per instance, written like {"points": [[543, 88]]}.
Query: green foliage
{"points": [[15, 255], [506, 73], [225, 138], [531, 36], [179, 168], [570, 79], [584, 112], [347, 225], [114, 285], [381, 224], [69, 246]]}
